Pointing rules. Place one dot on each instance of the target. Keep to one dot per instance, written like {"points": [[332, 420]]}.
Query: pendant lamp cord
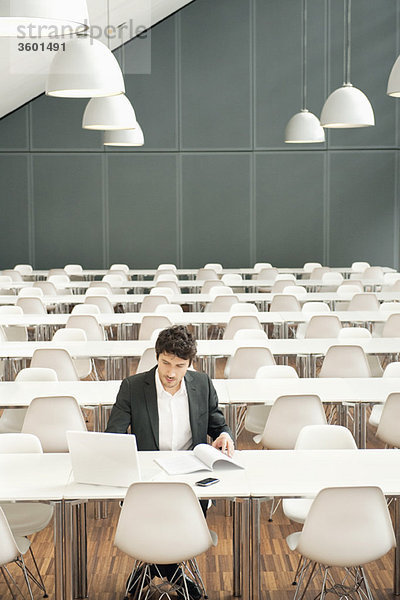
{"points": [[347, 41], [304, 53]]}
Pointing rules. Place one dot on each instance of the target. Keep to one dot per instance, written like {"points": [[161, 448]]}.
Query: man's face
{"points": [[171, 370]]}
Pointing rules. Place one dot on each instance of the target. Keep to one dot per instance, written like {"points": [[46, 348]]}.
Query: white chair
{"points": [[166, 275], [162, 291], [60, 281], [287, 276], [261, 265], [50, 417], [162, 523], [90, 325], [345, 527], [309, 266], [323, 326], [297, 290], [124, 275], [391, 370], [102, 302], [246, 360], [25, 270], [360, 266], [280, 285], [345, 361], [147, 361], [24, 518], [30, 291], [373, 273], [14, 333], [52, 272], [99, 288], [221, 290], [152, 322], [332, 278], [217, 267], [243, 308], [345, 293], [288, 415], [48, 288], [354, 333], [388, 427], [167, 266], [32, 305], [12, 419], [222, 303], [14, 275], [363, 301], [391, 327], [206, 275], [315, 308], [169, 284], [75, 270], [83, 366], [58, 359], [250, 336], [151, 302], [232, 279], [237, 322], [318, 272], [389, 307], [257, 414], [119, 267], [267, 274], [85, 309], [391, 278], [116, 282], [168, 309], [209, 284], [284, 303]]}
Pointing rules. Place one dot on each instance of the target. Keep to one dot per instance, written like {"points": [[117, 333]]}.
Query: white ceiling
{"points": [[23, 74]]}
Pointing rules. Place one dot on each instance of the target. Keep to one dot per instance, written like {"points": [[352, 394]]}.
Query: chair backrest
{"points": [[288, 415], [167, 266], [48, 288], [52, 272], [388, 429], [206, 274], [346, 292], [151, 302], [267, 274], [261, 265], [249, 336], [243, 308], [5, 281], [315, 308], [25, 270], [375, 273], [217, 267], [13, 274], [85, 309], [320, 437], [241, 322], [332, 278], [20, 443], [395, 287], [102, 302], [345, 361], [276, 372], [287, 277], [93, 329], [392, 370], [162, 291], [390, 278], [296, 290], [232, 279], [147, 361], [209, 284], [11, 310], [318, 272], [152, 322], [49, 418], [221, 290], [70, 334], [36, 374], [246, 361], [60, 281], [222, 303], [280, 285], [162, 522], [389, 307], [359, 266], [347, 526], [9, 549], [58, 359], [354, 333], [115, 282], [33, 292], [122, 274], [168, 309], [32, 305], [165, 275], [169, 284], [119, 267], [323, 326], [309, 266], [364, 301], [391, 327], [284, 302], [73, 269]]}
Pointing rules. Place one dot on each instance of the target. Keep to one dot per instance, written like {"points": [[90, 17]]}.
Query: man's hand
{"points": [[224, 443]]}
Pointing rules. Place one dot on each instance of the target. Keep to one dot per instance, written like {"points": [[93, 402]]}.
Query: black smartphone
{"points": [[207, 481]]}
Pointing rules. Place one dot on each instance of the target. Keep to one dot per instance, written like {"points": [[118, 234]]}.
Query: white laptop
{"points": [[104, 458]]}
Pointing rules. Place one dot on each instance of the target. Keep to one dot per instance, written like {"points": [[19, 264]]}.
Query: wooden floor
{"points": [[109, 568]]}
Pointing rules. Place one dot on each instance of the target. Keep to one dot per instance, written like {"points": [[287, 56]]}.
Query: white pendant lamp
{"points": [[86, 68], [393, 86], [36, 18], [124, 137], [347, 107], [304, 127], [109, 113]]}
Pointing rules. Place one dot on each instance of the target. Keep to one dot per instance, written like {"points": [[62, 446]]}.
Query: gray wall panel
{"points": [[362, 196], [14, 131], [216, 211], [215, 57], [289, 213], [68, 210], [143, 209], [14, 239]]}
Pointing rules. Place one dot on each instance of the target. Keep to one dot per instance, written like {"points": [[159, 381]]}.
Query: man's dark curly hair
{"points": [[177, 340]]}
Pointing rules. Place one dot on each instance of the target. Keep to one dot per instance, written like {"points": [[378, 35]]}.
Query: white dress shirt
{"points": [[175, 432]]}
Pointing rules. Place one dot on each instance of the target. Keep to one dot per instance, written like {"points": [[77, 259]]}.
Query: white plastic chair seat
{"points": [[296, 509], [284, 302]]}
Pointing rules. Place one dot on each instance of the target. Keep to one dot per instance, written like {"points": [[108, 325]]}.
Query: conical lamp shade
{"points": [[36, 18], [393, 87], [85, 69], [124, 137], [347, 107], [111, 112], [304, 128]]}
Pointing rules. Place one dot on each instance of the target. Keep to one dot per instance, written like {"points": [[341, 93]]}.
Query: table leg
{"points": [[255, 547], [396, 524], [58, 550], [68, 552], [360, 424], [246, 561], [236, 537]]}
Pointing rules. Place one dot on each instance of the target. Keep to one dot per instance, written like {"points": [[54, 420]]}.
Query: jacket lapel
{"points": [[150, 394]]}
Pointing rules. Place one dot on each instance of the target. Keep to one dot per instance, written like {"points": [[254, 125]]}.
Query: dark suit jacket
{"points": [[136, 405]]}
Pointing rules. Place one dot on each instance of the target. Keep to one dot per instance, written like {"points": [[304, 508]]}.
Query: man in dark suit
{"points": [[171, 408]]}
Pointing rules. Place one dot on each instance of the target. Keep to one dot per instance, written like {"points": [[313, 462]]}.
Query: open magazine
{"points": [[202, 458]]}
